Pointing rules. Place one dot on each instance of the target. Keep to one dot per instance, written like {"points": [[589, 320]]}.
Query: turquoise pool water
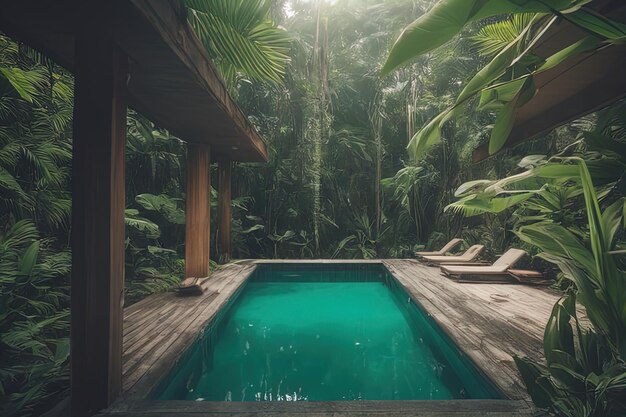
{"points": [[319, 333]]}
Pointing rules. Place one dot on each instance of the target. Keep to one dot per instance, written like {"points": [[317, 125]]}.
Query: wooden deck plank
{"points": [[489, 322], [187, 324], [462, 408], [156, 328]]}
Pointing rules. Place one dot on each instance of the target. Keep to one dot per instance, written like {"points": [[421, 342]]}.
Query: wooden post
{"points": [[198, 211], [100, 104], [223, 209]]}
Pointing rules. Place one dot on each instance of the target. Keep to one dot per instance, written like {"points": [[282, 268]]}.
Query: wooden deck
{"points": [[489, 322], [159, 328]]}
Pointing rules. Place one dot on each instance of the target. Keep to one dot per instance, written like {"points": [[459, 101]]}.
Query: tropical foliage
{"points": [[34, 320], [35, 154], [507, 81], [339, 183], [241, 38], [585, 372]]}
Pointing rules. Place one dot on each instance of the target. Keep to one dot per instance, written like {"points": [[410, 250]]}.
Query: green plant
{"points": [[362, 244], [411, 188], [587, 378], [583, 375], [241, 38], [150, 265], [507, 81], [549, 189], [35, 154], [34, 321]]}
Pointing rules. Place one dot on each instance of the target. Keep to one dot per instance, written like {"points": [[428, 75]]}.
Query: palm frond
{"points": [[240, 37], [26, 83], [494, 37]]}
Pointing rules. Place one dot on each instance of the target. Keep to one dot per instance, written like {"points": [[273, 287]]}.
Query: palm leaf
{"points": [[26, 83], [149, 229], [494, 37], [241, 38], [473, 205], [448, 18]]}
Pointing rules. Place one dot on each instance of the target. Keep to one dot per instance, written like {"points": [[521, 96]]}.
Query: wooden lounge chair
{"points": [[447, 248], [498, 272], [467, 258]]}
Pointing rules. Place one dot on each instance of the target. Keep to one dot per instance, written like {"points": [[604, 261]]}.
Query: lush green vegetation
{"points": [[557, 198], [339, 183]]}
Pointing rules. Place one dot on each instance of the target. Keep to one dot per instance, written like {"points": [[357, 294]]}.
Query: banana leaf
{"points": [[447, 19], [532, 373]]}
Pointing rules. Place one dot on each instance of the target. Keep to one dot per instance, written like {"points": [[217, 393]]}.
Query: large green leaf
{"points": [[448, 18], [505, 97], [613, 280], [241, 38], [558, 343], [583, 45], [496, 96], [146, 227], [557, 241], [594, 215], [431, 133], [603, 171], [29, 259], [493, 70], [26, 83], [531, 373], [503, 126], [474, 205], [162, 204], [611, 220], [558, 171], [426, 137], [589, 290]]}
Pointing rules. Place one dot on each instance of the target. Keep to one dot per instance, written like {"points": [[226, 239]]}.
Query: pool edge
{"points": [[135, 399]]}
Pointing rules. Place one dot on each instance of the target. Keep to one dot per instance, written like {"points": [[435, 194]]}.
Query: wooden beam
{"points": [[224, 198], [197, 212], [199, 109], [100, 105], [172, 79]]}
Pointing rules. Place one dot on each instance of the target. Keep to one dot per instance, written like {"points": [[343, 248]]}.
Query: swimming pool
{"points": [[302, 332]]}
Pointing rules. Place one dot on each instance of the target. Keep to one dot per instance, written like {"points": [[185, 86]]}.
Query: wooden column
{"points": [[198, 211], [97, 223], [224, 167]]}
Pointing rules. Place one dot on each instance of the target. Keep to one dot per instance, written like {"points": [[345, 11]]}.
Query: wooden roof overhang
{"points": [[172, 80], [578, 86]]}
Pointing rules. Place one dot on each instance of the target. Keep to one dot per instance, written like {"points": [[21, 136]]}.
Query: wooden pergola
{"points": [[576, 87], [142, 54]]}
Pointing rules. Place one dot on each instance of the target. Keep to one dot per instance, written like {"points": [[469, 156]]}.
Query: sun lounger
{"points": [[497, 272], [447, 248], [467, 258]]}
